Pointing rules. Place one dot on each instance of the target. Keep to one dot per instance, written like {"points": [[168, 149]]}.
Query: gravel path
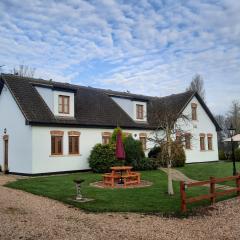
{"points": [[28, 217]]}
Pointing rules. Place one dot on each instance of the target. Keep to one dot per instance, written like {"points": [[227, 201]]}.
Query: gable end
{"points": [[205, 107]]}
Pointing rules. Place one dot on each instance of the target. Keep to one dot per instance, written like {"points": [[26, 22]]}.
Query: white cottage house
{"points": [[48, 127]]}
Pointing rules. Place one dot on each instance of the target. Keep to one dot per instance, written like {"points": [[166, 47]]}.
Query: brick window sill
{"points": [[68, 155]]}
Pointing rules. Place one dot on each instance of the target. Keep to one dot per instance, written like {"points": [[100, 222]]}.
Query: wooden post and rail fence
{"points": [[213, 194]]}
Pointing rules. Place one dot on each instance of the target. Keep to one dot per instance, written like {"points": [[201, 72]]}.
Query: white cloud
{"points": [[152, 47]]}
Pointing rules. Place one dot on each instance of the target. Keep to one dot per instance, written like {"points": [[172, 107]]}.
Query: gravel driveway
{"points": [[25, 216]]}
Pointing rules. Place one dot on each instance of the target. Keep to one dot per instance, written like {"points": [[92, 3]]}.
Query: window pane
{"points": [[60, 104], [65, 100], [139, 109], [188, 141], [66, 104], [63, 104], [73, 144], [60, 108], [209, 143], [59, 144], [70, 145], [53, 144], [202, 143], [105, 139], [76, 145], [56, 145], [194, 113]]}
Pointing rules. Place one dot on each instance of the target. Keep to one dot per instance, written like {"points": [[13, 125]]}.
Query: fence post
{"points": [[212, 190], [238, 184], [183, 196]]}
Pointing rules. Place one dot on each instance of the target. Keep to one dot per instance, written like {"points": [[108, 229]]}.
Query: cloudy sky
{"points": [[152, 47]]}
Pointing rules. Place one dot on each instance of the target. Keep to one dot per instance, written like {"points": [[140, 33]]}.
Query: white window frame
{"points": [[135, 103], [56, 95]]}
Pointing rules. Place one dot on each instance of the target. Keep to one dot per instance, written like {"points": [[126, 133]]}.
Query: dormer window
{"points": [[139, 111], [63, 104], [194, 111]]}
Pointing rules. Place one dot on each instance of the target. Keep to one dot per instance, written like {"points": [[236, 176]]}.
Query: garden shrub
{"points": [[178, 155], [222, 155], [154, 152], [102, 157], [114, 135], [237, 154], [147, 164], [133, 151]]}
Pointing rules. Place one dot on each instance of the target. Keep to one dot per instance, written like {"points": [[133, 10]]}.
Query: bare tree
{"points": [[168, 124], [24, 71], [224, 123], [234, 115], [197, 85]]}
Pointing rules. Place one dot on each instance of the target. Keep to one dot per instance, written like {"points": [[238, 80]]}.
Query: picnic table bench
{"points": [[121, 174]]}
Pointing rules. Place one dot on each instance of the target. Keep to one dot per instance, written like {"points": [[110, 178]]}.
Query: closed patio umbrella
{"points": [[120, 152]]}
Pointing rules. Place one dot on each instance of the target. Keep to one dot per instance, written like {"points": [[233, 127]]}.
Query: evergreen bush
{"points": [[222, 155], [134, 151], [237, 154], [102, 157]]}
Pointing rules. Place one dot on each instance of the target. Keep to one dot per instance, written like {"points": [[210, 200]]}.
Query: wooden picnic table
{"points": [[122, 169], [122, 175]]}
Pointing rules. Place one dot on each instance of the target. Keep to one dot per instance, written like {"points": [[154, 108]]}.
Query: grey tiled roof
{"points": [[93, 107]]}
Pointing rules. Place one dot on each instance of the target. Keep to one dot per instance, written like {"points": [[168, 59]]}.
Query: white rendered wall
{"points": [[51, 98], [47, 95], [203, 124], [20, 136], [126, 105], [43, 162]]}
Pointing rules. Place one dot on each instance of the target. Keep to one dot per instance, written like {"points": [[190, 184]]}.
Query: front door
{"points": [[5, 148]]}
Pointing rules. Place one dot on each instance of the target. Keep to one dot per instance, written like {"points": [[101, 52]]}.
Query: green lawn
{"points": [[202, 171], [152, 199], [149, 199]]}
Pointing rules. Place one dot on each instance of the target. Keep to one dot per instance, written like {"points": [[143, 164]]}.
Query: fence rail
{"points": [[213, 194]]}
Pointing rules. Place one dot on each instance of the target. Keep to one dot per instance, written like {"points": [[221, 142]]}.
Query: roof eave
{"points": [[59, 124], [128, 97], [15, 99]]}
